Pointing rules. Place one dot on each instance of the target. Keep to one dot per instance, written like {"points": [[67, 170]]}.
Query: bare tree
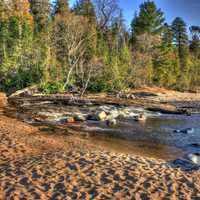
{"points": [[107, 11], [72, 33]]}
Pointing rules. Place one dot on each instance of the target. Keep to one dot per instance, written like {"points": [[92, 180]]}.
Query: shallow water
{"points": [[154, 138]]}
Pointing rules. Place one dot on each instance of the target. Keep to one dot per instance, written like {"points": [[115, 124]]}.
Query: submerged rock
{"points": [[177, 131], [141, 118], [111, 122], [187, 131]]}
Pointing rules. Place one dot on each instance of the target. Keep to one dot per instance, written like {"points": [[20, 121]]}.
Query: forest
{"points": [[89, 47]]}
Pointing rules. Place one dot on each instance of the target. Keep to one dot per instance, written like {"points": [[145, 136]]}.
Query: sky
{"points": [[189, 10]]}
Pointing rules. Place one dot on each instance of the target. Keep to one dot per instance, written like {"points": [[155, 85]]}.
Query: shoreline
{"points": [[39, 165], [152, 99]]}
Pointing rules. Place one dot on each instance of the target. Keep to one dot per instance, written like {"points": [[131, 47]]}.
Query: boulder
{"points": [[140, 118], [194, 158], [70, 120], [101, 116], [114, 114], [111, 122], [79, 117]]}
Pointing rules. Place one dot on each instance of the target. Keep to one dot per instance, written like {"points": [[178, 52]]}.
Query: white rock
{"points": [[195, 158], [101, 116], [111, 122]]}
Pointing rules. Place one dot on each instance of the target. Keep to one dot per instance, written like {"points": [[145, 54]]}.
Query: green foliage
{"points": [[166, 66], [52, 87], [150, 19], [180, 36], [90, 47]]}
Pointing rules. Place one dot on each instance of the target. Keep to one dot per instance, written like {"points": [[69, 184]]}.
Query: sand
{"points": [[37, 165]]}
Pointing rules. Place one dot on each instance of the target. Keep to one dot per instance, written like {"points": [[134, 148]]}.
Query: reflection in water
{"points": [[144, 148]]}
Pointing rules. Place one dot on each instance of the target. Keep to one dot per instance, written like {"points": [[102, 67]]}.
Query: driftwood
{"points": [[28, 91]]}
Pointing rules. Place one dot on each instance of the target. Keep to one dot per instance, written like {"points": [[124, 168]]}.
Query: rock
{"points": [[122, 115], [111, 122], [79, 117], [70, 120], [195, 158], [188, 113], [177, 131], [141, 118], [114, 114], [188, 131], [132, 96], [100, 116]]}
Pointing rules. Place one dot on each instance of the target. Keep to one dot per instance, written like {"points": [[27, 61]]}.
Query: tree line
{"points": [[90, 47]]}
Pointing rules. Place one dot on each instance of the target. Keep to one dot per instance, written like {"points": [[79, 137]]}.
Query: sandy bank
{"points": [[41, 165]]}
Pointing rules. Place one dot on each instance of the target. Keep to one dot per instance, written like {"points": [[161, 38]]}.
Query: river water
{"points": [[156, 137]]}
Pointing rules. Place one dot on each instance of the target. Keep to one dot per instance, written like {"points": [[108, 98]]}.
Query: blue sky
{"points": [[189, 10]]}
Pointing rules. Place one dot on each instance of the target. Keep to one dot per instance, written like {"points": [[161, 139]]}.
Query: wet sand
{"points": [[38, 165]]}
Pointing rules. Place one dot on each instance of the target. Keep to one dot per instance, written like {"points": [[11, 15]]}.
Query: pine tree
{"points": [[150, 19], [59, 25], [166, 65], [195, 42], [180, 38]]}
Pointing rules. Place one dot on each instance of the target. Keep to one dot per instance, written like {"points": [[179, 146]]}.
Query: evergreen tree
{"points": [[195, 42], [150, 19], [60, 26], [166, 66], [180, 38]]}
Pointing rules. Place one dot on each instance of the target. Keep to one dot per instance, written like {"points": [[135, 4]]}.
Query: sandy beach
{"points": [[37, 165]]}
